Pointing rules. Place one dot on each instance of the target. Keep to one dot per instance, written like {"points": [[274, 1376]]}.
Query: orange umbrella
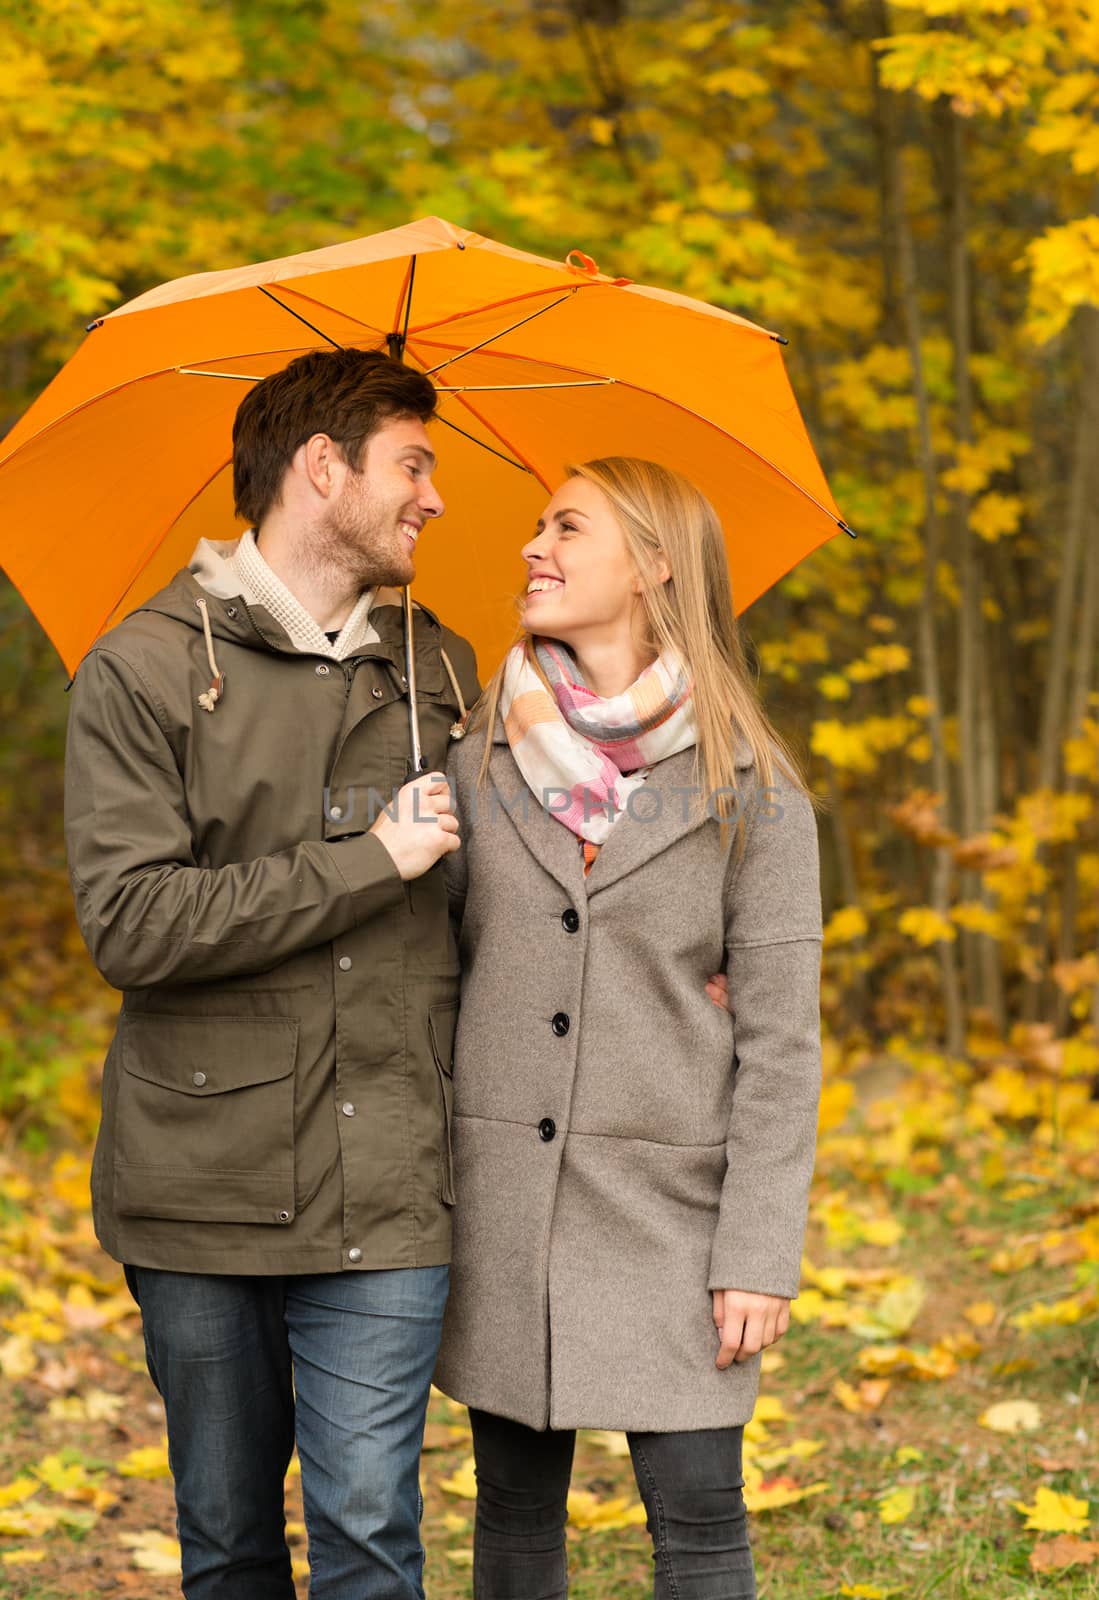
{"points": [[123, 463]]}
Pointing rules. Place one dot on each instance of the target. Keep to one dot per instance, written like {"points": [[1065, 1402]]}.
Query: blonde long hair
{"points": [[663, 515]]}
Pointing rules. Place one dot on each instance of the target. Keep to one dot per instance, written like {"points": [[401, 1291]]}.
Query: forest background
{"points": [[907, 193]]}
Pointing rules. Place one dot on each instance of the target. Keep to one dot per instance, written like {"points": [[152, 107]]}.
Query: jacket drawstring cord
{"points": [[210, 697], [457, 729]]}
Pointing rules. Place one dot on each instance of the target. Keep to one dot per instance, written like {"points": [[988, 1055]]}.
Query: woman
{"points": [[628, 1233]]}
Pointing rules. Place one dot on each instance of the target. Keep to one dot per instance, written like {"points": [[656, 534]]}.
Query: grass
{"points": [[1015, 1235]]}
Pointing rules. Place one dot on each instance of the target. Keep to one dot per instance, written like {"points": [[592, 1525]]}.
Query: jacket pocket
{"points": [[204, 1119], [442, 1021]]}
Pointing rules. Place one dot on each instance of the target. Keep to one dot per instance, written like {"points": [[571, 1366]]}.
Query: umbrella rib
{"points": [[496, 388], [305, 320], [203, 372], [636, 388], [508, 300], [479, 442], [431, 371], [152, 548], [504, 440]]}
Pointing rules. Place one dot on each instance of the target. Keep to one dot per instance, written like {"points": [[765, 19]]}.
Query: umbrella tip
{"points": [[777, 337], [91, 327], [850, 532]]}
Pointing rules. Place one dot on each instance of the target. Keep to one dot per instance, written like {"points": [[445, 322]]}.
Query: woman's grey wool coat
{"points": [[622, 1145]]}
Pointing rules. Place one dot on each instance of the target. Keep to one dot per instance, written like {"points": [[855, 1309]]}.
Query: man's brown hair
{"points": [[347, 394]]}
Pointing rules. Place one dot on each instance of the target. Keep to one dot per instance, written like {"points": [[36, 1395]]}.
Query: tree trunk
{"points": [[1071, 653], [899, 237], [976, 773]]}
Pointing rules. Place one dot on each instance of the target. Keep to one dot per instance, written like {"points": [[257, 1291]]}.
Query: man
{"points": [[273, 1165]]}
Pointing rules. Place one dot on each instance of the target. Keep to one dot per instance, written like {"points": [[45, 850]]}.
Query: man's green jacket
{"points": [[277, 1095]]}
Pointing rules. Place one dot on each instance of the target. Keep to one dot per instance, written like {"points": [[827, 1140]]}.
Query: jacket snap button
{"points": [[345, 963], [546, 1129], [284, 1216], [231, 611], [560, 1024], [354, 1255], [570, 920], [348, 1109], [378, 694], [198, 1079], [335, 812], [322, 670]]}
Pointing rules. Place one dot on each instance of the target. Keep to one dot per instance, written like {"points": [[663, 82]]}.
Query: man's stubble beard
{"points": [[353, 539]]}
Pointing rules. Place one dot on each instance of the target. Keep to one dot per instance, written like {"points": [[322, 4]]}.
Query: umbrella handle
{"points": [[415, 751]]}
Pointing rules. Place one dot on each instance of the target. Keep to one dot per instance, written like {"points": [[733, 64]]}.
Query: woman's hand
{"points": [[747, 1323], [717, 988]]}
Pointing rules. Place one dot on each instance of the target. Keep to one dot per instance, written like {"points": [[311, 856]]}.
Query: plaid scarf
{"points": [[584, 756]]}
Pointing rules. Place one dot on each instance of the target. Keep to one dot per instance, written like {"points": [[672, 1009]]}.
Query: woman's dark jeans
{"points": [[690, 1482]]}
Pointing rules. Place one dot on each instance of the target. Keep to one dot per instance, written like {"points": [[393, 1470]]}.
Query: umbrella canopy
{"points": [[123, 463]]}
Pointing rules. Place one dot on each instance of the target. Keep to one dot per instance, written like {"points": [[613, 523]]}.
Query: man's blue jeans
{"points": [[340, 1361]]}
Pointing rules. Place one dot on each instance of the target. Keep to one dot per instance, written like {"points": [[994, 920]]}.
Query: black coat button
{"points": [[560, 1024], [546, 1129], [570, 920]]}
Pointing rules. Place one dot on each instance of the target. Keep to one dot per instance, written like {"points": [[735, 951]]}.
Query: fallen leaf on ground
{"points": [[774, 1493], [1064, 1551], [152, 1551], [896, 1505], [615, 1444], [894, 1313], [462, 1482], [1054, 1513], [586, 1510], [18, 1358], [982, 1313], [1011, 1416], [22, 1558], [20, 1489], [150, 1461]]}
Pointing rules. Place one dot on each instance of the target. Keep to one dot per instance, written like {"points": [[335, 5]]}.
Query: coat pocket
{"points": [[442, 1021], [204, 1119]]}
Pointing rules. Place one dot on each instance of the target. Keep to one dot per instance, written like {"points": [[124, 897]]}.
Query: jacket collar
{"points": [[667, 808], [236, 620]]}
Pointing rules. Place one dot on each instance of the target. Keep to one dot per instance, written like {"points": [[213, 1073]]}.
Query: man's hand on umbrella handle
{"points": [[747, 1323], [420, 827]]}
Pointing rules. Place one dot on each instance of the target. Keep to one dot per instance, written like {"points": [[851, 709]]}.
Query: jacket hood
{"points": [[210, 575]]}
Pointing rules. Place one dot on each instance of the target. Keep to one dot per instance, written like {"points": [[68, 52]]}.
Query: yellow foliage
{"points": [[1064, 274], [463, 1482], [739, 82], [879, 660], [897, 1505], [1059, 1313], [926, 926], [1081, 753], [895, 1312], [1012, 1416], [587, 1511], [856, 747], [995, 515], [834, 686], [149, 1462], [1054, 1513], [982, 1313], [153, 1551], [20, 1489], [979, 918], [845, 925]]}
